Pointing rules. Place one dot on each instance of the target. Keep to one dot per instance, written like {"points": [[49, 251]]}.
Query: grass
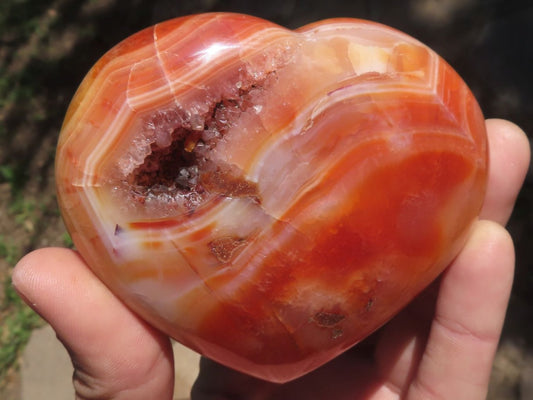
{"points": [[67, 240], [17, 319], [8, 251], [23, 210], [24, 26], [18, 322], [15, 176]]}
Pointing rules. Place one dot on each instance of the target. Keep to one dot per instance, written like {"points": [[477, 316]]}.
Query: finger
{"points": [[115, 354], [470, 310], [403, 339], [402, 342], [509, 160]]}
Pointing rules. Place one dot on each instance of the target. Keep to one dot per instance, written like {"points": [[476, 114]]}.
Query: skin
{"points": [[440, 347]]}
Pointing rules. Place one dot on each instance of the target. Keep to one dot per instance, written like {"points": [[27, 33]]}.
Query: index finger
{"points": [[509, 154]]}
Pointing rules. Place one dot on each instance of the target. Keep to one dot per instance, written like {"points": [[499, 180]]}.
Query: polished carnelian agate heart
{"points": [[270, 197]]}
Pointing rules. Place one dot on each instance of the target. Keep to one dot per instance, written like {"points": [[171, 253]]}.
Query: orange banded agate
{"points": [[270, 197]]}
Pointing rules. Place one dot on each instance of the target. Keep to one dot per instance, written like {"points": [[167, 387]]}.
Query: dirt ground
{"points": [[46, 47]]}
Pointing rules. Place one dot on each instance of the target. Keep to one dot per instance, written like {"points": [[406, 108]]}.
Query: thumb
{"points": [[115, 354]]}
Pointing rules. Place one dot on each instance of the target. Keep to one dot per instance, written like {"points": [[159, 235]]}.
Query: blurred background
{"points": [[47, 46]]}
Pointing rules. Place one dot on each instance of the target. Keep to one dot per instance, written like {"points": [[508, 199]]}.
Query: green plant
{"points": [[67, 240], [7, 173], [16, 176], [8, 251], [15, 331], [22, 209]]}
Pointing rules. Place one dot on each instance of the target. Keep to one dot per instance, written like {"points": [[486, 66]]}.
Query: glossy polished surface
{"points": [[270, 197]]}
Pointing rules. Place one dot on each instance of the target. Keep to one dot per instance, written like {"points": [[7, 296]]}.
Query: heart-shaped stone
{"points": [[270, 197]]}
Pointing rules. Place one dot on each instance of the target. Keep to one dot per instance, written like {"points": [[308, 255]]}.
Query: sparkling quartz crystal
{"points": [[270, 197]]}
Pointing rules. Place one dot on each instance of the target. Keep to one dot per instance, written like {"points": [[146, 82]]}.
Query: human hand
{"points": [[441, 346]]}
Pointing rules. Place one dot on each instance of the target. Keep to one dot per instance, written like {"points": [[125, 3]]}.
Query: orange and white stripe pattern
{"points": [[369, 157]]}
